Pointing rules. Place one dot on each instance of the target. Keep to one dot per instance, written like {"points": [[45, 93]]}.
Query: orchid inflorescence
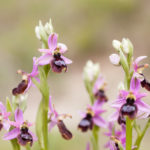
{"points": [[129, 105]]}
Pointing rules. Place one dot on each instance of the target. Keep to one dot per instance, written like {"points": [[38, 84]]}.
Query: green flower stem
{"points": [[39, 125], [28, 147], [15, 144], [95, 137], [89, 88], [141, 136], [128, 133], [42, 115], [45, 100]]}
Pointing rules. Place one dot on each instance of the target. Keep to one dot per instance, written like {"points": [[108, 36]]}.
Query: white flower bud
{"points": [[91, 71], [125, 45], [115, 59], [48, 27], [116, 44], [37, 32]]}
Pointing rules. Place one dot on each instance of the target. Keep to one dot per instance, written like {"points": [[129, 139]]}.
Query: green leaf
{"points": [[8, 105]]}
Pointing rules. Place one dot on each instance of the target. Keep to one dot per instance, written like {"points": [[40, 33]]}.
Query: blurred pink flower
{"points": [[99, 89], [92, 117], [115, 136]]}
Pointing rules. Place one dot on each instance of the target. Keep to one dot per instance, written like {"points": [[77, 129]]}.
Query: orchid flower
{"points": [[20, 130], [57, 119], [130, 102], [99, 89], [92, 117], [26, 82], [53, 55], [115, 136]]}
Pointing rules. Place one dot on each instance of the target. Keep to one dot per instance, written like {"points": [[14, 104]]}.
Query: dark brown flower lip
{"points": [[20, 88], [65, 133]]}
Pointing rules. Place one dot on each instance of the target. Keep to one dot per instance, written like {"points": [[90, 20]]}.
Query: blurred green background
{"points": [[87, 27]]}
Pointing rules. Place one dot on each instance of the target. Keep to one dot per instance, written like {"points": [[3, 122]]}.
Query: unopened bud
{"points": [[115, 59], [91, 71], [48, 27], [127, 46], [116, 44]]}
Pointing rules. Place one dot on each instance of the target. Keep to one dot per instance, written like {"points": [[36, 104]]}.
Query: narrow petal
{"points": [[135, 84], [52, 41], [140, 96], [138, 59], [118, 103], [44, 50], [67, 61], [99, 122], [19, 116], [15, 124], [12, 134], [35, 68], [62, 47], [51, 125], [142, 106], [45, 59]]}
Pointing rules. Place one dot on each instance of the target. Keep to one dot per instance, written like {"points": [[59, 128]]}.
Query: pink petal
{"points": [[62, 48], [51, 125], [142, 106], [52, 41], [99, 82], [99, 122], [135, 84], [67, 61], [45, 51], [12, 134], [138, 59], [35, 68], [118, 103], [45, 59], [19, 116], [15, 124], [140, 95]]}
